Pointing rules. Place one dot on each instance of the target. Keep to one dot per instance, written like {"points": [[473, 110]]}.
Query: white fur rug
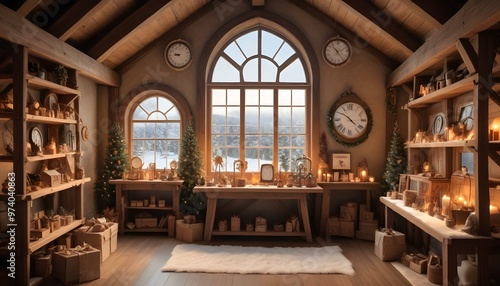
{"points": [[245, 260]]}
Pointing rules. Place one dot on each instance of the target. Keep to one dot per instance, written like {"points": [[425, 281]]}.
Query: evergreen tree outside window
{"points": [[156, 131], [258, 92]]}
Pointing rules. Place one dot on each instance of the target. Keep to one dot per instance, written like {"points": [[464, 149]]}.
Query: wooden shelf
{"points": [[48, 120], [36, 82], [457, 88], [169, 208], [454, 143], [47, 191], [256, 233], [37, 158], [145, 229], [35, 245]]}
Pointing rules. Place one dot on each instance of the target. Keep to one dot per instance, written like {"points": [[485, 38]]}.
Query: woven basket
{"points": [[435, 270]]}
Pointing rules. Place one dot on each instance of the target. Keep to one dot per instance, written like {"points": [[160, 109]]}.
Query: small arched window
{"points": [[156, 128]]}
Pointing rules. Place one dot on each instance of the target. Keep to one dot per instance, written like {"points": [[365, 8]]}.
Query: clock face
{"points": [[178, 55], [350, 120], [267, 173], [439, 124], [337, 52]]}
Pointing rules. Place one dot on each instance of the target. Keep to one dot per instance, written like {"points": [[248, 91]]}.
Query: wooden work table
{"points": [[453, 240], [260, 193], [329, 187]]}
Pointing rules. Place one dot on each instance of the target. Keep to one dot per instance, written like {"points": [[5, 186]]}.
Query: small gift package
{"points": [[77, 265], [97, 235], [260, 224], [249, 227], [188, 232], [389, 244], [235, 223], [223, 225]]}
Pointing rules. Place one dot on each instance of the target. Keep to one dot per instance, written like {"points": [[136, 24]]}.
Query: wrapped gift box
{"points": [[235, 223], [364, 215], [100, 240], [349, 212], [389, 245], [113, 232], [76, 265], [188, 232], [333, 226], [39, 233], [43, 265], [347, 228], [368, 226]]}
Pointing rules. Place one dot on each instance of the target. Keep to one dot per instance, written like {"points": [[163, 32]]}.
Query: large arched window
{"points": [[156, 131], [258, 93]]}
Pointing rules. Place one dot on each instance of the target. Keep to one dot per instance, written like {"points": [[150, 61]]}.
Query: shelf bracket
{"points": [[494, 156], [493, 94]]}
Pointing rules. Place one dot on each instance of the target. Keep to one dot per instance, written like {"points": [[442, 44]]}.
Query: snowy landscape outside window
{"points": [[258, 93], [156, 132]]}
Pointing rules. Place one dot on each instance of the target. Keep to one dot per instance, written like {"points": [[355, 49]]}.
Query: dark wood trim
{"points": [[355, 40], [468, 54], [70, 17], [104, 46], [394, 31], [167, 36], [20, 31], [475, 16], [441, 10]]}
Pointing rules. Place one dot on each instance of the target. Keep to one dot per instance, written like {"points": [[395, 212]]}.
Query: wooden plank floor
{"points": [[140, 257]]}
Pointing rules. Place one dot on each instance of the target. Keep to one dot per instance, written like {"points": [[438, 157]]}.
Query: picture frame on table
{"points": [[341, 161]]}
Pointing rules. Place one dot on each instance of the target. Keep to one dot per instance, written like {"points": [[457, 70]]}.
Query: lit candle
{"points": [[371, 179], [493, 209], [445, 205], [329, 177], [460, 202], [363, 176], [320, 175], [336, 176], [351, 177]]}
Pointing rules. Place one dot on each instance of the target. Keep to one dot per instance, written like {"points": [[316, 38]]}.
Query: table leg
{"points": [[368, 200], [325, 210], [209, 221], [449, 263], [305, 217], [118, 206]]}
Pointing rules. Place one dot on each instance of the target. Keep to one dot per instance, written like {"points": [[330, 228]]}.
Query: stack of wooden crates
{"points": [[345, 224]]}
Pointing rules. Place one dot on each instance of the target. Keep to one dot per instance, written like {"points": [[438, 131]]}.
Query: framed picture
{"points": [[341, 161], [466, 116]]}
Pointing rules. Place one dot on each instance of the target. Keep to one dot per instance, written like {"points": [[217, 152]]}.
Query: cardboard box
{"points": [[191, 232], [73, 267], [368, 226], [333, 226], [347, 228], [389, 246], [43, 265], [113, 232], [146, 222], [364, 215], [39, 233], [349, 212], [100, 240]]}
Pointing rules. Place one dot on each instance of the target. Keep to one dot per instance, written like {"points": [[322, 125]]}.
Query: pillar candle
{"points": [[320, 175], [335, 176], [351, 177], [493, 209], [445, 205]]}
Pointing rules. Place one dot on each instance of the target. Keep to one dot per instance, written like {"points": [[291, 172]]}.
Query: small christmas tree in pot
{"points": [[190, 170], [396, 161], [115, 163]]}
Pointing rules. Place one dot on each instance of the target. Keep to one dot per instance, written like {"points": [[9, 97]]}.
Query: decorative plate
{"points": [[51, 102], [136, 163], [85, 133]]}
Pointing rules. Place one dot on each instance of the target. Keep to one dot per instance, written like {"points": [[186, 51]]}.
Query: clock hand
{"points": [[348, 118]]}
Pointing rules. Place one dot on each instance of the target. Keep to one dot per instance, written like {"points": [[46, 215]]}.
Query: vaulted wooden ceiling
{"points": [[118, 32]]}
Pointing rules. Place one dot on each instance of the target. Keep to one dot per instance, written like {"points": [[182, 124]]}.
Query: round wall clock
{"points": [[439, 124], [178, 55], [267, 173], [337, 52], [350, 120]]}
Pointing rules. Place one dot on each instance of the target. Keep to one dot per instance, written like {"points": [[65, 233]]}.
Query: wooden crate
{"points": [[191, 232]]}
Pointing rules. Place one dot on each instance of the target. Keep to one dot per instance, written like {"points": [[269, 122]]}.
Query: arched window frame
{"points": [[285, 30], [142, 93]]}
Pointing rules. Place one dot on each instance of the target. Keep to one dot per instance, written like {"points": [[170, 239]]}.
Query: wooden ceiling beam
{"points": [[27, 7], [419, 10], [106, 45], [355, 40], [18, 30], [475, 16], [78, 12], [191, 19], [395, 33]]}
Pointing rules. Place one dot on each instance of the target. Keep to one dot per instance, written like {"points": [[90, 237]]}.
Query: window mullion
{"points": [[242, 124], [275, 128]]}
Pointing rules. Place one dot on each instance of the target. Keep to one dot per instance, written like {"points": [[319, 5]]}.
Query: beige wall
{"points": [[364, 74]]}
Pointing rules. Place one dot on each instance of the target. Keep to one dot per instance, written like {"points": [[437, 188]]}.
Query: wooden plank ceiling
{"points": [[117, 32]]}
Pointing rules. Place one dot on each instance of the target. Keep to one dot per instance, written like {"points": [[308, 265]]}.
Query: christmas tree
{"points": [[396, 161], [190, 170], [115, 163]]}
